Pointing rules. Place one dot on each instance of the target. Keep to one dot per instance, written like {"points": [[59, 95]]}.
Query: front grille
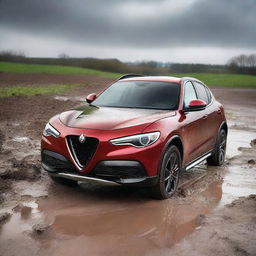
{"points": [[82, 152]]}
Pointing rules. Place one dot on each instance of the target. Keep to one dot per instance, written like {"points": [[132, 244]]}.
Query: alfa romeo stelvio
{"points": [[142, 130]]}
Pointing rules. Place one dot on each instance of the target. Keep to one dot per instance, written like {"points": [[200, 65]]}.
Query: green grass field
{"points": [[52, 69], [31, 91], [224, 80]]}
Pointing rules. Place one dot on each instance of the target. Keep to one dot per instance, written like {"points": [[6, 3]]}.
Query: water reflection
{"points": [[133, 223]]}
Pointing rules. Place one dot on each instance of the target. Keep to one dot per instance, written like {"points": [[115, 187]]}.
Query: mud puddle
{"points": [[238, 139], [239, 178], [103, 221], [115, 220], [238, 182], [118, 221], [16, 235]]}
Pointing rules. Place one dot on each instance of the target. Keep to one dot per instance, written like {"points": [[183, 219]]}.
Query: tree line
{"points": [[242, 64]]}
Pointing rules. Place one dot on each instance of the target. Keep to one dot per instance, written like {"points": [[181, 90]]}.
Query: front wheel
{"points": [[218, 156], [168, 174]]}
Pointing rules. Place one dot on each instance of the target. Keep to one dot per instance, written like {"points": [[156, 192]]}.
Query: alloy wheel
{"points": [[171, 173], [222, 146]]}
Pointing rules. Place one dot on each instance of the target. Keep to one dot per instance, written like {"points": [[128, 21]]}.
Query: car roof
{"points": [[187, 78], [153, 78], [171, 79]]}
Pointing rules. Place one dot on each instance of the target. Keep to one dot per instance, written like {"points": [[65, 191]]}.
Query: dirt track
{"points": [[46, 219]]}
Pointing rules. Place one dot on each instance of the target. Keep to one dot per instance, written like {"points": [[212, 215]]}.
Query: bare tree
{"points": [[243, 61], [244, 64], [252, 60]]}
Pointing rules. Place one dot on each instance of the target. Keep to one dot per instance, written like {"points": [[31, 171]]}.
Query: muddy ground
{"points": [[215, 216]]}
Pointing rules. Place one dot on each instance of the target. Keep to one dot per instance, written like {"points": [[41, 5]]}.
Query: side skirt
{"points": [[197, 161]]}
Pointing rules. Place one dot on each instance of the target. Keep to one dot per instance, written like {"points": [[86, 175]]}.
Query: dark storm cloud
{"points": [[148, 24]]}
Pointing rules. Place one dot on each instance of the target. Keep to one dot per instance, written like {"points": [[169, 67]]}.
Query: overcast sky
{"points": [[198, 31]]}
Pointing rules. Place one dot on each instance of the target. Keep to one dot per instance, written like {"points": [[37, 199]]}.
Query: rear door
{"points": [[209, 124]]}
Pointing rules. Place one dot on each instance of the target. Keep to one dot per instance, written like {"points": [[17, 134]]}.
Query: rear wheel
{"points": [[168, 174], [63, 181], [218, 156]]}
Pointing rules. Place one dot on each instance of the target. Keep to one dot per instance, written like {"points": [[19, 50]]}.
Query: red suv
{"points": [[141, 130]]}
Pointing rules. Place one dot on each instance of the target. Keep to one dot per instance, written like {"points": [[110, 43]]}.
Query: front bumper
{"points": [[145, 181], [109, 172], [125, 159]]}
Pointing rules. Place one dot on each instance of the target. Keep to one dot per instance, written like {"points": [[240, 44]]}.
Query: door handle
{"points": [[205, 116], [219, 112]]}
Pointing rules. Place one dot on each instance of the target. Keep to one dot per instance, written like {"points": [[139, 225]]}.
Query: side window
{"points": [[201, 92], [209, 94], [189, 93]]}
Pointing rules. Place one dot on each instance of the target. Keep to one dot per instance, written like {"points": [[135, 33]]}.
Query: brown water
{"points": [[111, 224]]}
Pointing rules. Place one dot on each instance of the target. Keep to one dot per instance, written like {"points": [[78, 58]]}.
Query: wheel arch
{"points": [[224, 126], [176, 141]]}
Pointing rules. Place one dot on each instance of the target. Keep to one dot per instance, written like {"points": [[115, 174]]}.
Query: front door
{"points": [[193, 126]]}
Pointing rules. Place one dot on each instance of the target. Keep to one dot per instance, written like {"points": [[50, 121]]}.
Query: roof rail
{"points": [[129, 76]]}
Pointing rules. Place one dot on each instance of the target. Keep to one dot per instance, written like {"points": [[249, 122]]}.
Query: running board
{"points": [[197, 161]]}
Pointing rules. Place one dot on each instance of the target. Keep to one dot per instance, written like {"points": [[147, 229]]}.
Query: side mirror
{"points": [[195, 105], [91, 97]]}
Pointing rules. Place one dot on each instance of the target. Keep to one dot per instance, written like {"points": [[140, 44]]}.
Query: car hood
{"points": [[108, 118]]}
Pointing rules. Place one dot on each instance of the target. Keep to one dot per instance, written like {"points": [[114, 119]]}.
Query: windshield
{"points": [[140, 94]]}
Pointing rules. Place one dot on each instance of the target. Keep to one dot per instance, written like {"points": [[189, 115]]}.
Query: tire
{"points": [[218, 156], [168, 174], [63, 181]]}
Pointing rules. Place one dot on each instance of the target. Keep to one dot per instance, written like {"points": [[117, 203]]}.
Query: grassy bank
{"points": [[224, 80], [32, 91], [52, 69]]}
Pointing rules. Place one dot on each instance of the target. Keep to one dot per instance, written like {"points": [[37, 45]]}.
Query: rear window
{"points": [[208, 94]]}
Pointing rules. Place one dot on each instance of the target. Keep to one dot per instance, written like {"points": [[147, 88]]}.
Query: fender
{"points": [[167, 144]]}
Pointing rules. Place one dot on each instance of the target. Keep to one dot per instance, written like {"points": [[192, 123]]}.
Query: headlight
{"points": [[51, 131], [138, 141]]}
